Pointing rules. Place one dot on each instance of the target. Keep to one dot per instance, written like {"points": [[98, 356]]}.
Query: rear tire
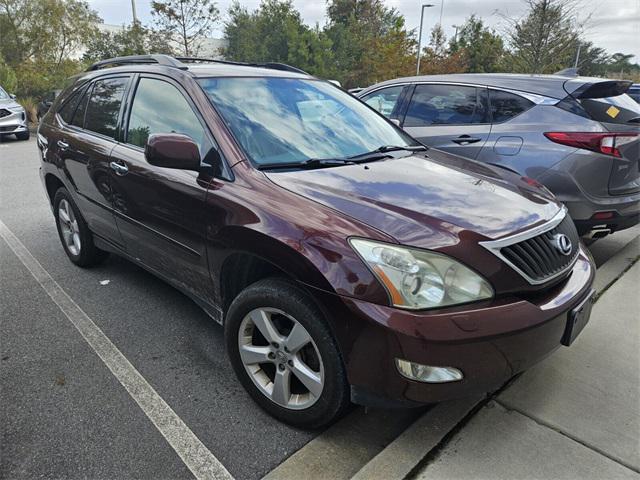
{"points": [[23, 135], [297, 375], [74, 233]]}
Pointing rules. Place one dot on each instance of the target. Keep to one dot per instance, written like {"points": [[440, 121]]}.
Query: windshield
{"points": [[3, 95], [282, 120]]}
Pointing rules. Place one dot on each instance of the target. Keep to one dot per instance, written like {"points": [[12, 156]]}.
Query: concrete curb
{"points": [[616, 266], [399, 458]]}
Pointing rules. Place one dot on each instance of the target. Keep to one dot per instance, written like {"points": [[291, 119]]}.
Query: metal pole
{"points": [[426, 5], [577, 56], [133, 9], [441, 8]]}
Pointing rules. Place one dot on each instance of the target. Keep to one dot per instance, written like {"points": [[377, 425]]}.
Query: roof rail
{"points": [[179, 62], [271, 65], [165, 60]]}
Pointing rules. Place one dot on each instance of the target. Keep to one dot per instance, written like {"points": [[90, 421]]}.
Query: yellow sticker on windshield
{"points": [[612, 111]]}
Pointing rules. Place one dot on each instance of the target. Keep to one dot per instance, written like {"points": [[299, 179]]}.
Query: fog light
{"points": [[426, 373]]}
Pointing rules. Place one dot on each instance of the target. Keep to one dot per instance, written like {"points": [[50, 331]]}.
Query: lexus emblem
{"points": [[562, 243]]}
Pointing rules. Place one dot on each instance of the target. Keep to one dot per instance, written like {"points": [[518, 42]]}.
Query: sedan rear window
{"points": [[282, 120]]}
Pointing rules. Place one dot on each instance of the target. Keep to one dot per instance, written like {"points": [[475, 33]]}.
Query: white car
{"points": [[13, 118]]}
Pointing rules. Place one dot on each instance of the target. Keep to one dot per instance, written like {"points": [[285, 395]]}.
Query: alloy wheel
{"points": [[69, 227], [281, 358]]}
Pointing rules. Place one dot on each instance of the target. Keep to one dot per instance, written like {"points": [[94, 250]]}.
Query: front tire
{"points": [[74, 233], [284, 354]]}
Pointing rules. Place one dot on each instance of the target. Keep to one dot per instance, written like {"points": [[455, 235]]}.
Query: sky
{"points": [[613, 24]]}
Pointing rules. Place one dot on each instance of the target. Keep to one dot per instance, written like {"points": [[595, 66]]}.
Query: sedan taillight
{"points": [[607, 143]]}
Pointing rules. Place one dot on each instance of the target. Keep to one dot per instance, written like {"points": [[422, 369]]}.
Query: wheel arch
{"points": [[52, 184]]}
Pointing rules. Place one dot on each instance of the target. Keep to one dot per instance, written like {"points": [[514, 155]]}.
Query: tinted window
{"points": [[104, 106], [159, 107], [620, 109], [69, 107], [446, 105], [505, 105], [278, 120], [384, 100], [78, 116]]}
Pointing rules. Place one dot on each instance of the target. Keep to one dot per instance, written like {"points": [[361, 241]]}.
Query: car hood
{"points": [[426, 200], [9, 102]]}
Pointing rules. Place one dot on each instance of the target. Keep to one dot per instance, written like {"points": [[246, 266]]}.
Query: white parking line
{"points": [[202, 463]]}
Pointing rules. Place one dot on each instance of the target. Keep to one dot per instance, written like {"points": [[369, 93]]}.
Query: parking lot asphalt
{"points": [[64, 414], [56, 393]]}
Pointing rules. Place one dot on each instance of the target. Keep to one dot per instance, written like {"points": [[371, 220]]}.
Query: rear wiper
{"points": [[386, 149], [310, 163]]}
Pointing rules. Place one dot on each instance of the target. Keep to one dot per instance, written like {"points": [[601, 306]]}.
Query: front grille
{"points": [[4, 112], [538, 257]]}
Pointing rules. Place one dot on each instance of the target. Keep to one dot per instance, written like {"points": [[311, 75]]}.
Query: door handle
{"points": [[119, 168], [63, 145], [466, 140]]}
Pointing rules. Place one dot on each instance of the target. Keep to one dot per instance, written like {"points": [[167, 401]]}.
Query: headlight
{"points": [[419, 279], [17, 109]]}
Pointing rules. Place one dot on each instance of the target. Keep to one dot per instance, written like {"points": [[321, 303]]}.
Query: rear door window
{"points": [[384, 100], [446, 105], [70, 106], [104, 106], [506, 105], [78, 116]]}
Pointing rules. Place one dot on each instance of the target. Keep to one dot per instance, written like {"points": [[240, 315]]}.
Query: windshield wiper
{"points": [[310, 163], [386, 149]]}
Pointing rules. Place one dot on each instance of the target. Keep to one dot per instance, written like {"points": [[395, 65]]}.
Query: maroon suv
{"points": [[345, 261]]}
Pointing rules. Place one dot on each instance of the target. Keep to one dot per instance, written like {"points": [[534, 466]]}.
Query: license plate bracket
{"points": [[577, 319]]}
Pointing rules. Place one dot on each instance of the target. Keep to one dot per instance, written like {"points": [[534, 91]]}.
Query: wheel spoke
{"points": [[62, 211], [251, 354], [74, 225], [76, 241], [308, 377], [262, 320], [281, 387], [297, 339]]}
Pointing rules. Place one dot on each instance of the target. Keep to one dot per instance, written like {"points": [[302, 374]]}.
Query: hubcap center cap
{"points": [[281, 357]]}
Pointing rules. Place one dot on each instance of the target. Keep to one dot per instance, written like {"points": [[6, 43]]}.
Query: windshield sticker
{"points": [[612, 111]]}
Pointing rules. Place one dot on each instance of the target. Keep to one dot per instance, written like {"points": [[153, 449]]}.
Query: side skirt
{"points": [[214, 311]]}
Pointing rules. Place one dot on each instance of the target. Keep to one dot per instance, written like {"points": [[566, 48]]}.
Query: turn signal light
{"points": [[606, 143]]}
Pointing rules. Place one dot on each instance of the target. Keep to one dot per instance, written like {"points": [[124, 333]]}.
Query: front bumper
{"points": [[15, 122], [489, 342]]}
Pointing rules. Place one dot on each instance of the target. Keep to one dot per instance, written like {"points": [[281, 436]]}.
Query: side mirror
{"points": [[13, 97], [172, 150], [395, 121]]}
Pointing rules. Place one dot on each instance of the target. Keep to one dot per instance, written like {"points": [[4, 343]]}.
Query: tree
{"points": [[186, 22], [39, 38], [483, 48], [48, 30], [133, 40], [436, 58], [275, 33], [8, 79], [544, 40], [369, 41]]}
